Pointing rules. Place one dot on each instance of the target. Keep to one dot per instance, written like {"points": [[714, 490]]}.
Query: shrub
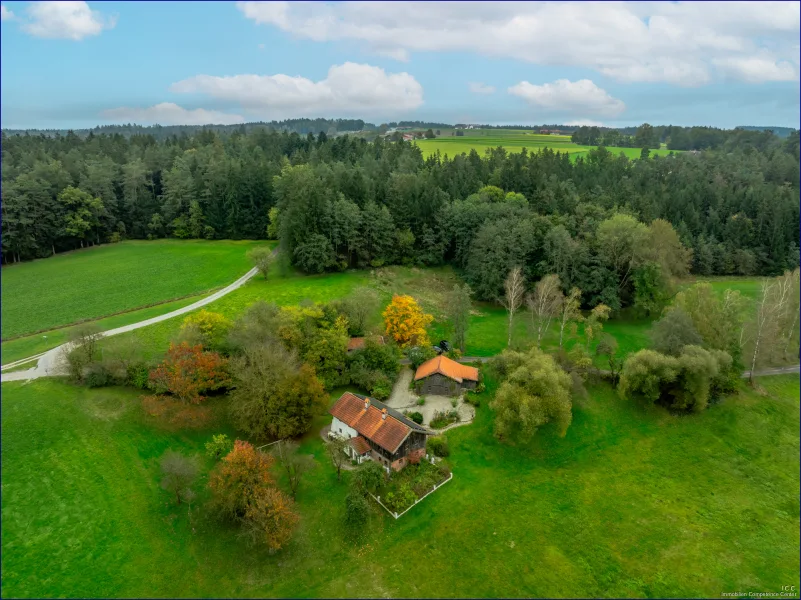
{"points": [[96, 376], [212, 327], [368, 477], [420, 354], [261, 257], [356, 508], [443, 419], [438, 446], [219, 446], [415, 416], [381, 387], [421, 401], [400, 499], [681, 383], [188, 372], [138, 375]]}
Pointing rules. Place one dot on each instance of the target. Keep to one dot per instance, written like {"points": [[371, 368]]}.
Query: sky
{"points": [[81, 64]]}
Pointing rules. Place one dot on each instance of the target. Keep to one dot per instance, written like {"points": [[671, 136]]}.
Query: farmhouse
{"points": [[445, 377], [376, 432], [357, 343]]}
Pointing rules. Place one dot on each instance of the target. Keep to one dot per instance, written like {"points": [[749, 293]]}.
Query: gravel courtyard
{"points": [[403, 399]]}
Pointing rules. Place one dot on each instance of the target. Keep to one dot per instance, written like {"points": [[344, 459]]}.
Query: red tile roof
{"points": [[358, 343], [388, 433], [360, 445], [447, 367]]}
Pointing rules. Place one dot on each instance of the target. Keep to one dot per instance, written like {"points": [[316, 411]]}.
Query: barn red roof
{"points": [[447, 367], [359, 444], [365, 415]]}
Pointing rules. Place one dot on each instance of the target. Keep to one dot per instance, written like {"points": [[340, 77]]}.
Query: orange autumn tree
{"points": [[243, 490], [188, 371], [406, 322]]}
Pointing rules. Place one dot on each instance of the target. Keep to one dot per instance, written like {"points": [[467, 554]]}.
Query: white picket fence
{"points": [[398, 516]]}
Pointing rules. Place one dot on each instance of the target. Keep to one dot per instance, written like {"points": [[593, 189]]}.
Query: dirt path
{"points": [[51, 363]]}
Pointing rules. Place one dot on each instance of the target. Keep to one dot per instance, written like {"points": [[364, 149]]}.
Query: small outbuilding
{"points": [[442, 376], [357, 343]]}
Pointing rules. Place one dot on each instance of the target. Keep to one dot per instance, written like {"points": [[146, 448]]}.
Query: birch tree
{"points": [[545, 304], [570, 312], [514, 288]]}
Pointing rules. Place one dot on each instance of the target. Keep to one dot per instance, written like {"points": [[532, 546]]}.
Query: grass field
{"points": [[514, 141], [487, 333], [105, 280], [631, 502]]}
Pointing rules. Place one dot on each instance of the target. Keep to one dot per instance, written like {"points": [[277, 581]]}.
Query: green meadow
{"points": [[513, 141], [106, 280], [633, 501]]}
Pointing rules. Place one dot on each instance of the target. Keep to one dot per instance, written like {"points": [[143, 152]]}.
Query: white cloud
{"points": [[564, 96], [348, 89], [5, 14], [585, 122], [65, 20], [168, 113], [480, 88], [758, 69], [261, 46], [683, 43]]}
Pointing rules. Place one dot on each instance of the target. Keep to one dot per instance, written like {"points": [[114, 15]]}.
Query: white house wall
{"points": [[345, 431]]}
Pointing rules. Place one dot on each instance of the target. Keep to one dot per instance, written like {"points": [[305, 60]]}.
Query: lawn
{"points": [[514, 141], [105, 280], [631, 502]]}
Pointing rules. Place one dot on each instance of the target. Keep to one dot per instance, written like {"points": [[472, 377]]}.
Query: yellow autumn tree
{"points": [[406, 322]]}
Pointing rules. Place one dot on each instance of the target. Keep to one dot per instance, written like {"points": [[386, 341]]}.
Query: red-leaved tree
{"points": [[188, 372], [243, 490]]}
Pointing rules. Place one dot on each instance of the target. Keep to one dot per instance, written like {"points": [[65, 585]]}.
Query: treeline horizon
{"points": [[344, 202], [338, 126]]}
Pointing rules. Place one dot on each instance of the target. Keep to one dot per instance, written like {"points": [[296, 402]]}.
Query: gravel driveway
{"points": [[403, 399]]}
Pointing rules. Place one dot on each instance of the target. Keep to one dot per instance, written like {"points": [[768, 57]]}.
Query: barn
{"points": [[442, 376]]}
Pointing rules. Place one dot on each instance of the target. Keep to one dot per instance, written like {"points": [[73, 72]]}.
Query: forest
{"points": [[604, 223]]}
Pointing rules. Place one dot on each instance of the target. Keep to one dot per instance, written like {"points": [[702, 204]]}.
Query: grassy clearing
{"points": [[631, 502], [106, 280], [514, 141], [487, 334]]}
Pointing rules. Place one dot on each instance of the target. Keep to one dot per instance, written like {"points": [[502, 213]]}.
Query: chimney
{"points": [[384, 413], [366, 403]]}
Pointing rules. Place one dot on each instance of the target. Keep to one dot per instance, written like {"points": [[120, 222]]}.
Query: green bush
{"points": [[443, 419], [97, 376], [381, 387], [138, 375], [421, 401], [400, 499], [219, 446], [438, 446], [415, 416]]}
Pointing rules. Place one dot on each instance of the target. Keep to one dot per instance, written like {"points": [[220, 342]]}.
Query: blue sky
{"points": [[79, 64]]}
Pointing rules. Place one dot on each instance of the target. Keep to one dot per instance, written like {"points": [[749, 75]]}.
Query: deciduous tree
{"points": [[535, 391], [406, 322], [188, 372], [674, 331], [514, 290], [178, 473], [545, 304], [458, 307]]}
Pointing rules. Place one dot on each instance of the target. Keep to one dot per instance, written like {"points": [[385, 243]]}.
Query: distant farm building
{"points": [[376, 432], [442, 376]]}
